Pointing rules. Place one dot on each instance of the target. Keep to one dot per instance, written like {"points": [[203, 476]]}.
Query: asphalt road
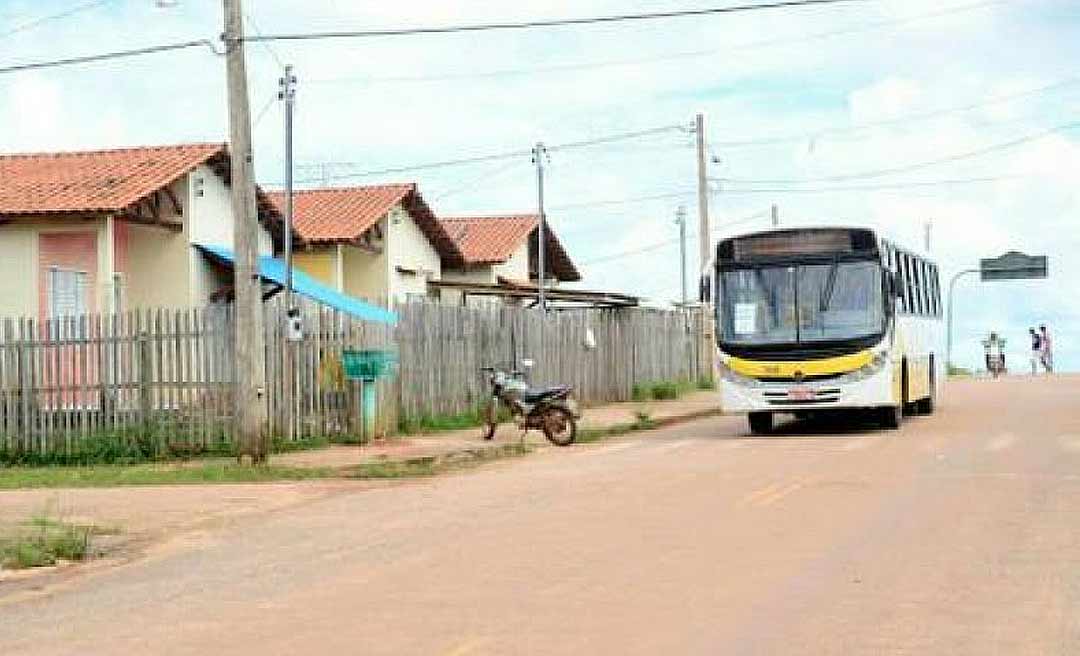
{"points": [[960, 534]]}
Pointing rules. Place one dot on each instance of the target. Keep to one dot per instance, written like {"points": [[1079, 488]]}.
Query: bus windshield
{"points": [[802, 303]]}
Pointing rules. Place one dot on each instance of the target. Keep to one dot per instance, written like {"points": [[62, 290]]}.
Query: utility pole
{"points": [[250, 338], [680, 220], [775, 214], [704, 232], [928, 233], [539, 152], [287, 93]]}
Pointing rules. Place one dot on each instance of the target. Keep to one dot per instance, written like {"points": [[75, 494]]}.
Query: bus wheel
{"points": [[761, 423], [890, 416]]}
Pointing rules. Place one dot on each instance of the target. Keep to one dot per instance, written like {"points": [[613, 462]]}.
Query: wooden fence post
{"points": [[145, 378]]}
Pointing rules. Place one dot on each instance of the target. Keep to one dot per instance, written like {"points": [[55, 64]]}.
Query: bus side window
{"points": [[920, 287], [936, 290], [905, 263]]}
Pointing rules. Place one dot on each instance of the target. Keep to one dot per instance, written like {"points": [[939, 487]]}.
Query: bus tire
{"points": [[890, 416], [761, 423], [906, 406]]}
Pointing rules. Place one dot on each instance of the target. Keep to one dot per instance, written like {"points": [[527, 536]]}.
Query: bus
{"points": [[826, 319]]}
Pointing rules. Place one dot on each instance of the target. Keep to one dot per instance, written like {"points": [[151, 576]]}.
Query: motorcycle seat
{"points": [[541, 393]]}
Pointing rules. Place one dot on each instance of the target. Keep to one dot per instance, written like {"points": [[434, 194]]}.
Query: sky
{"points": [[885, 113]]}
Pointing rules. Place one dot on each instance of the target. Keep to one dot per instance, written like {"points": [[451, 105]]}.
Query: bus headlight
{"points": [[876, 364]]}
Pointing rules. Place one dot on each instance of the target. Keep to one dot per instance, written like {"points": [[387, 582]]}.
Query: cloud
{"points": [[789, 72]]}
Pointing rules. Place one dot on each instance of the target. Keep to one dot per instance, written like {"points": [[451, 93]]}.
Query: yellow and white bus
{"points": [[824, 319]]}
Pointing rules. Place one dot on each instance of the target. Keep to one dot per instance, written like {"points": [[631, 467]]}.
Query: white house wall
{"points": [[408, 248], [209, 220]]}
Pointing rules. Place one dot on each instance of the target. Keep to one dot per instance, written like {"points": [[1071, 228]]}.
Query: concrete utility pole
{"points": [[928, 234], [250, 338], [680, 220], [287, 93], [539, 152], [774, 213], [704, 231]]}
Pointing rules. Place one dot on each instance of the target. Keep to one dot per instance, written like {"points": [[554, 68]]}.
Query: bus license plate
{"points": [[801, 394]]}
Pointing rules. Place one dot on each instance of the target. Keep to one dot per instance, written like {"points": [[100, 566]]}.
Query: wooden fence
{"points": [[170, 375]]}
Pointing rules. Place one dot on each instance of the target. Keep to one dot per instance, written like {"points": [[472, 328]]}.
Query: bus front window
{"points": [[804, 303]]}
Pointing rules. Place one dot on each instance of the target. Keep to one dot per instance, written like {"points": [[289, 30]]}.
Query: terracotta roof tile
{"points": [[489, 239], [493, 239], [343, 214], [98, 180], [340, 214]]}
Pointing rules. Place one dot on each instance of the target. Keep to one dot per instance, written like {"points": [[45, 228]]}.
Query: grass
{"points": [[667, 390], [433, 465], [45, 540], [209, 473], [642, 421], [441, 423], [958, 371], [152, 474]]}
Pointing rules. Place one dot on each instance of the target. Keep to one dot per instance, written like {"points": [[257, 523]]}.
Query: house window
{"points": [[67, 299], [67, 293]]}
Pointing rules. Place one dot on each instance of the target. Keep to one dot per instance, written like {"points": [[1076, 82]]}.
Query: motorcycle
{"points": [[553, 410]]}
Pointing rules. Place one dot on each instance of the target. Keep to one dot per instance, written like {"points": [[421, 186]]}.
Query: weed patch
{"points": [[45, 540]]}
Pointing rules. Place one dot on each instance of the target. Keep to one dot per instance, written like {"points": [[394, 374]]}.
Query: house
{"points": [[501, 251], [111, 230], [377, 242]]}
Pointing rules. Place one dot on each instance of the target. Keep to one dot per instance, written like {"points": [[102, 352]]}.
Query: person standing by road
{"points": [[1047, 349], [1036, 351]]}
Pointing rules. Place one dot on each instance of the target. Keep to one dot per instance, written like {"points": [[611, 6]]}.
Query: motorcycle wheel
{"points": [[559, 426], [490, 416]]}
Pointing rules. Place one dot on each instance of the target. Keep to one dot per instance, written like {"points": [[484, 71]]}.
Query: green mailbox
{"points": [[368, 366]]}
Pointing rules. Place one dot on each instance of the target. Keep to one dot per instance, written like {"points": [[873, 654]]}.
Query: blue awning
{"points": [[273, 269]]}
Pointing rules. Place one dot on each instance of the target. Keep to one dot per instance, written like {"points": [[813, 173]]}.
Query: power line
{"points": [[265, 44], [262, 112], [625, 201], [637, 61], [472, 183], [875, 187], [993, 100], [29, 25], [513, 154], [920, 165], [560, 22], [118, 54], [668, 242]]}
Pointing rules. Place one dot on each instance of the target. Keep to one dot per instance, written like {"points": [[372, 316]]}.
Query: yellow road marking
{"points": [[467, 646], [753, 496], [780, 494]]}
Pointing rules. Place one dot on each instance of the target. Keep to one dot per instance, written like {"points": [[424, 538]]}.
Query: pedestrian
{"points": [[1036, 351], [1047, 349]]}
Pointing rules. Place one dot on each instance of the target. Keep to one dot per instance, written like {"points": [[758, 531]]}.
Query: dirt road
{"points": [[958, 535]]}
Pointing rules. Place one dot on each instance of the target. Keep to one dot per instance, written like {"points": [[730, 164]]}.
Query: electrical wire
{"points": [[993, 100], [876, 187], [29, 25], [572, 145], [262, 112], [559, 22], [265, 44], [878, 173], [105, 56], [637, 61], [623, 201], [668, 242], [472, 183]]}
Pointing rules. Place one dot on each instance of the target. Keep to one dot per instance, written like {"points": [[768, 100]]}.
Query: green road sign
{"points": [[1013, 266]]}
